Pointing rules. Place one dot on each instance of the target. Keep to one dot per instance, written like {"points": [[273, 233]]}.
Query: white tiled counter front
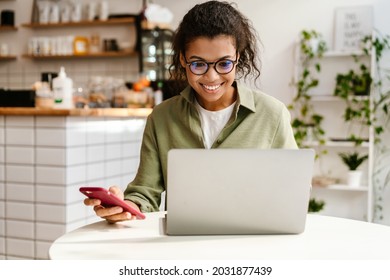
{"points": [[43, 162]]}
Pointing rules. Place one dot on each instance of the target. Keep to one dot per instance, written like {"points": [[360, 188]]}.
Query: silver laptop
{"points": [[238, 191]]}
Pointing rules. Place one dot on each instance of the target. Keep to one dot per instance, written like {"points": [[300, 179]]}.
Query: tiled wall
{"points": [[22, 74], [43, 162]]}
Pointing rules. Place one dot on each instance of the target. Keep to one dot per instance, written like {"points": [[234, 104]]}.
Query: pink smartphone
{"points": [[109, 199]]}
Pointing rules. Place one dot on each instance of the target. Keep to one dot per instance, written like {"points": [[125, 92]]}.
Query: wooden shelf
{"points": [[336, 144], [97, 112], [147, 25], [7, 57], [343, 53], [332, 98], [83, 23], [8, 28], [90, 55], [340, 187]]}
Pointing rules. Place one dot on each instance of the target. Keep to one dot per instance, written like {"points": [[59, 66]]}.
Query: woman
{"points": [[213, 46]]}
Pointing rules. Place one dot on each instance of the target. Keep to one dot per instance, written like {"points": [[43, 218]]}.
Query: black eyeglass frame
{"points": [[211, 63]]}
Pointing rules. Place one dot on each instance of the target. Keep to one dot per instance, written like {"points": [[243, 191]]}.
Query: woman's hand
{"points": [[111, 214]]}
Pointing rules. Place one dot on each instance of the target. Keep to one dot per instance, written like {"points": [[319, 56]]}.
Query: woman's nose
{"points": [[212, 74]]}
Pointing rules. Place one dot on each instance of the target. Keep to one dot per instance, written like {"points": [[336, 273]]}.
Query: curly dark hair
{"points": [[211, 19]]}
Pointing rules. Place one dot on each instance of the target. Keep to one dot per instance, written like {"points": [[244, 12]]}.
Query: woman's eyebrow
{"points": [[201, 58], [197, 57]]}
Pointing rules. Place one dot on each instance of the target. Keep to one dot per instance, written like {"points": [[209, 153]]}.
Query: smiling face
{"points": [[213, 91]]}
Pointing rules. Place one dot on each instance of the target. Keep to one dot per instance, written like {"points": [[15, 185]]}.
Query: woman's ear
{"points": [[182, 61]]}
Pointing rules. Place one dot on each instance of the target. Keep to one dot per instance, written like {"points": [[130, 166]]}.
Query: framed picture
{"points": [[351, 25]]}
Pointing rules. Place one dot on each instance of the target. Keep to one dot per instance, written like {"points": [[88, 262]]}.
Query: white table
{"points": [[324, 238]]}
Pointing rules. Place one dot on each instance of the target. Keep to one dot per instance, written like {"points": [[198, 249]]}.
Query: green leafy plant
{"points": [[353, 160], [351, 86], [379, 43], [380, 121], [311, 47], [353, 83], [316, 205]]}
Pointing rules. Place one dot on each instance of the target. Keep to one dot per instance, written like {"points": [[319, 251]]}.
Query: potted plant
{"points": [[315, 205], [353, 160]]}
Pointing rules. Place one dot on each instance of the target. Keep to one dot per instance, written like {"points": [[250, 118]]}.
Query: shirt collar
{"points": [[245, 96]]}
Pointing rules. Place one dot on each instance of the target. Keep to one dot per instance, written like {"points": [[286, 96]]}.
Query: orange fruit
{"points": [[138, 86], [145, 81]]}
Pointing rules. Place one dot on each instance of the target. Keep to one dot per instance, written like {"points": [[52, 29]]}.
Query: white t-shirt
{"points": [[213, 122]]}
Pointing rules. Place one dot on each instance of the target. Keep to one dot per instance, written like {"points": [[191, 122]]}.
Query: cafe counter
{"points": [[45, 156], [97, 112]]}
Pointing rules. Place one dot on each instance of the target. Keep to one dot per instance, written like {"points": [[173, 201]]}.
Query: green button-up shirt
{"points": [[258, 121]]}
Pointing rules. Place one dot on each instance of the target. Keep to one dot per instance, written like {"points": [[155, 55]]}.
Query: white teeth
{"points": [[212, 87]]}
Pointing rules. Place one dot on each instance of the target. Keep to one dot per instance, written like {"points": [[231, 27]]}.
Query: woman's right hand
{"points": [[111, 214]]}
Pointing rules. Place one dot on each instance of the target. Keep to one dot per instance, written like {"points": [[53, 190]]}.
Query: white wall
{"points": [[279, 23]]}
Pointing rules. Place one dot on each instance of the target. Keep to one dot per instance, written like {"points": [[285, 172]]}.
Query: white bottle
{"points": [[103, 10], [63, 91]]}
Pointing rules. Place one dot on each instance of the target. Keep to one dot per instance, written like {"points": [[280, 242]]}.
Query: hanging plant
{"points": [[381, 105], [306, 122], [380, 121], [351, 86]]}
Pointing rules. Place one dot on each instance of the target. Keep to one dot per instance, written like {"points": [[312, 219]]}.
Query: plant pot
{"points": [[354, 178]]}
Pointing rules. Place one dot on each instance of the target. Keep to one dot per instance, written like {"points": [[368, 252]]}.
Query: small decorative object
{"points": [[94, 43], [104, 10], [80, 45], [43, 95], [4, 49], [7, 18], [76, 12], [351, 25], [54, 13], [323, 181], [43, 11], [35, 12], [65, 10], [353, 161], [92, 10]]}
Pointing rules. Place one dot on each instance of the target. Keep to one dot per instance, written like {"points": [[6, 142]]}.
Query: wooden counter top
{"points": [[95, 112]]}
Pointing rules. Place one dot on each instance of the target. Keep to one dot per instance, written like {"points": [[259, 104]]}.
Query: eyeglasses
{"points": [[222, 66]]}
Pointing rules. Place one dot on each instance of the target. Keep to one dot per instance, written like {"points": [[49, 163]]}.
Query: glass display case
{"points": [[155, 53]]}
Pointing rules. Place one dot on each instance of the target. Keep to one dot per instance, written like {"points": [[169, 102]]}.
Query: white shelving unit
{"points": [[340, 199]]}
